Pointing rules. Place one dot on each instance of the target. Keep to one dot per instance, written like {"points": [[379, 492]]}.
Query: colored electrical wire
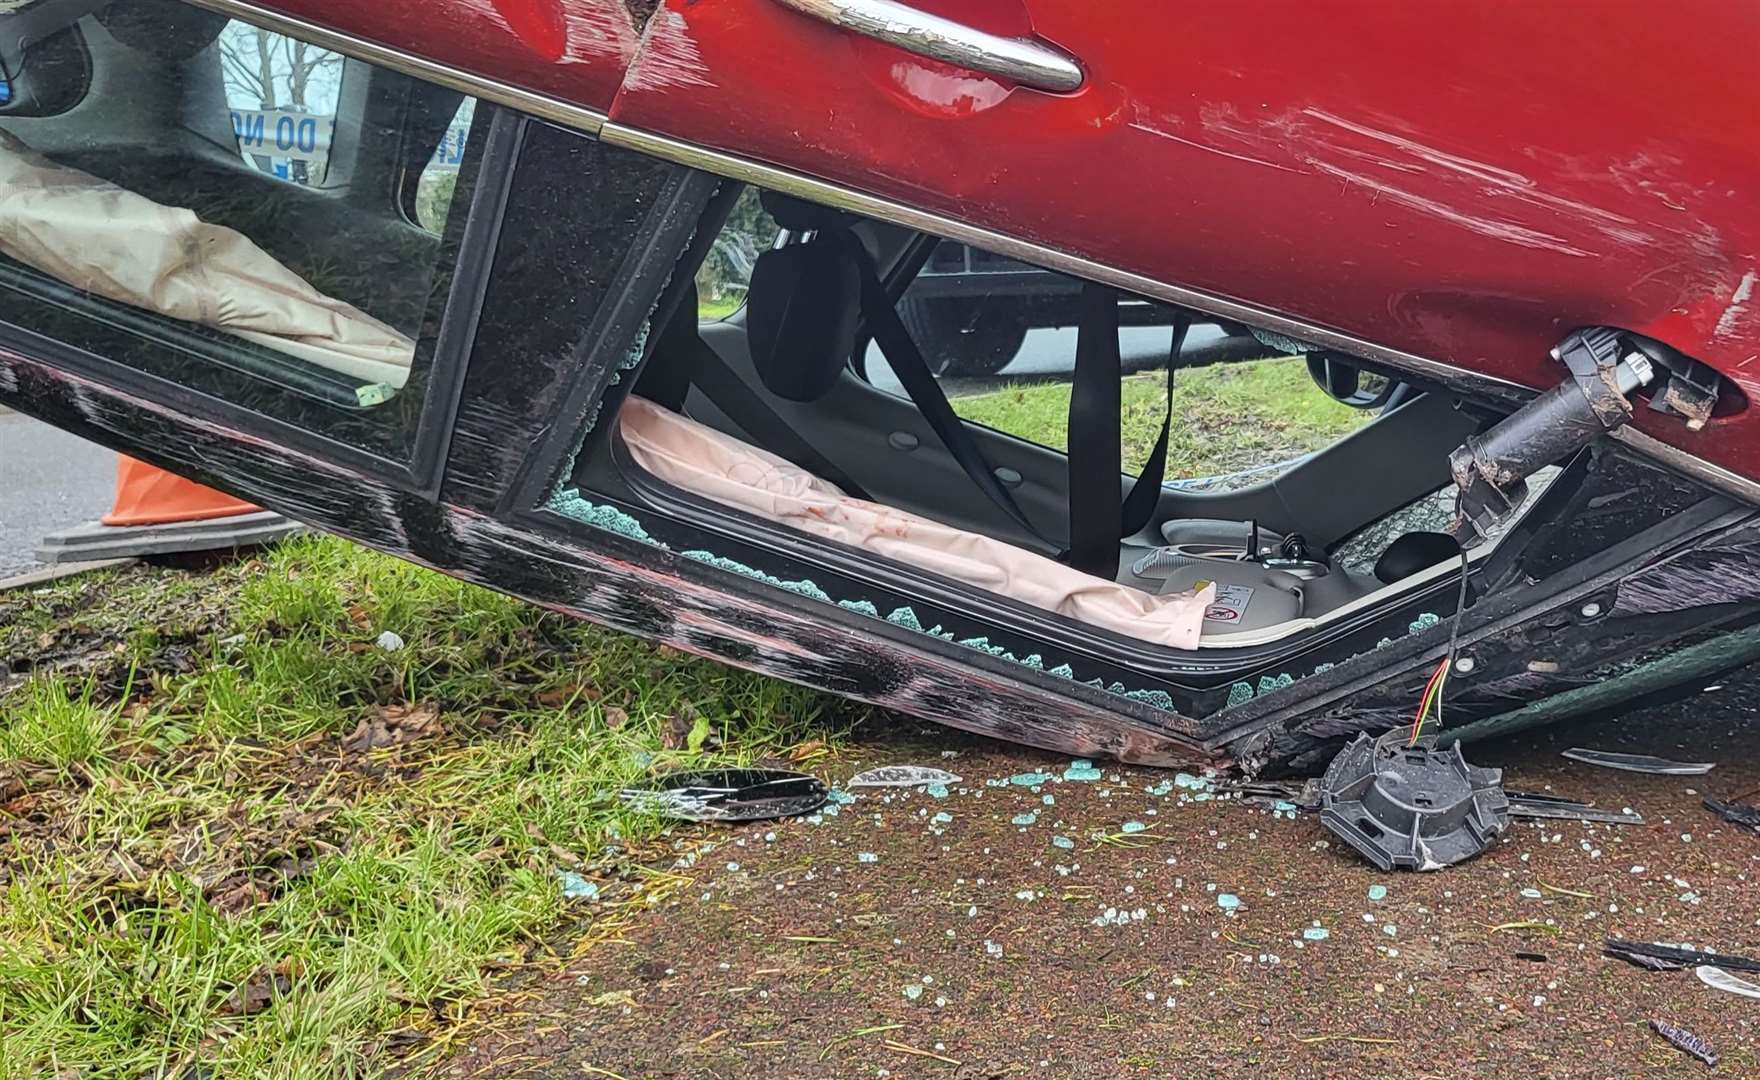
{"points": [[1430, 696], [1434, 689]]}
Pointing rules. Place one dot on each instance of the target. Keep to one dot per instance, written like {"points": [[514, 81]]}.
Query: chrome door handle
{"points": [[1025, 62]]}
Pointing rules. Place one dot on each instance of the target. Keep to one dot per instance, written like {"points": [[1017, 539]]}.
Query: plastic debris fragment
{"points": [[730, 795], [1684, 1040], [901, 776], [1411, 806], [389, 641], [1638, 763], [1524, 804], [1719, 979], [1736, 813], [1672, 957]]}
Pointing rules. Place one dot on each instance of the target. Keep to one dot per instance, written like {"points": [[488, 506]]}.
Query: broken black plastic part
{"points": [[1669, 958], [1525, 804], [1685, 388], [730, 795], [1736, 813], [1411, 807], [1491, 468]]}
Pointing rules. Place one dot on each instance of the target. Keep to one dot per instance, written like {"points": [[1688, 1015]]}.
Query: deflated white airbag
{"points": [[113, 243], [706, 462]]}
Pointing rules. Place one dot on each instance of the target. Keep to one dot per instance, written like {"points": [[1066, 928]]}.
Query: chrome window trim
{"points": [[598, 124]]}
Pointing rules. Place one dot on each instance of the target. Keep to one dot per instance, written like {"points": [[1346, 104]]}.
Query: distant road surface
{"points": [[49, 480]]}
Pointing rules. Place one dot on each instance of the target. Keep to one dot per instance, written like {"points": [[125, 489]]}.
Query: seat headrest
{"points": [[802, 311], [797, 215]]}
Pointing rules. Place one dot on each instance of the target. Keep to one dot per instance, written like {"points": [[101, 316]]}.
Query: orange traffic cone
{"points": [[160, 513], [146, 495]]}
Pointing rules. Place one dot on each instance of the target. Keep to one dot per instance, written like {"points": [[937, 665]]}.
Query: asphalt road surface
{"points": [[49, 480]]}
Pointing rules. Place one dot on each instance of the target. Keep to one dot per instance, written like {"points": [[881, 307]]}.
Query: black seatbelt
{"points": [[1096, 507], [682, 349], [1145, 496], [913, 373]]}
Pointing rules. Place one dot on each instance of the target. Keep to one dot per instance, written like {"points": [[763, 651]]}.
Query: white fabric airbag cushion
{"points": [[706, 462], [113, 243]]}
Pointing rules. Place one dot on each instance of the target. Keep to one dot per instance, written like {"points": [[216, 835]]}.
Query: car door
{"points": [[1439, 185], [560, 58]]}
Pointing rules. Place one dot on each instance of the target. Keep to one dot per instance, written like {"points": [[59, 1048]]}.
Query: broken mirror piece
{"points": [[730, 795], [1719, 979], [1736, 813], [1409, 805], [1684, 1040], [1659, 957], [1639, 763], [902, 776]]}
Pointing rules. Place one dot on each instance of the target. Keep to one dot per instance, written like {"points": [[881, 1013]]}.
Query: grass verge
{"points": [[1225, 417], [239, 836]]}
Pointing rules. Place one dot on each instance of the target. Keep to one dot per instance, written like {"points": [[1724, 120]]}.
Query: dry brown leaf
{"points": [[678, 731], [615, 717], [393, 725], [235, 896], [258, 992]]}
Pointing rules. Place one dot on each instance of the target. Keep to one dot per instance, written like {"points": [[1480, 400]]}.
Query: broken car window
{"points": [[1000, 336], [285, 275]]}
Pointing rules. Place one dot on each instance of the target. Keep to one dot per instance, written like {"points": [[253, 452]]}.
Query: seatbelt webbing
{"points": [[913, 374], [1096, 507], [1145, 496]]}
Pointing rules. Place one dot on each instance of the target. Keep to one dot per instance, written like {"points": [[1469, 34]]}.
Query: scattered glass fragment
{"points": [[902, 776]]}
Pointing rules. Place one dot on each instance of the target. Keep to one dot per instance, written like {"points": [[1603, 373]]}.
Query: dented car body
{"points": [[1545, 257]]}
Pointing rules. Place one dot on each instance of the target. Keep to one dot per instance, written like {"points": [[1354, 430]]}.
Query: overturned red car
{"points": [[858, 342]]}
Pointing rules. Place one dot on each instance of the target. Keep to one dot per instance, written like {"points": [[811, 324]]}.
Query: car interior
{"points": [[768, 413], [138, 115]]}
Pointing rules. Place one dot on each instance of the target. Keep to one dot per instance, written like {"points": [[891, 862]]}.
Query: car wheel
{"points": [[963, 342]]}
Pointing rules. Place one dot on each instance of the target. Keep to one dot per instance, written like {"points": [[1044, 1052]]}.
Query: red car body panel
{"points": [[574, 51], [1465, 182]]}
